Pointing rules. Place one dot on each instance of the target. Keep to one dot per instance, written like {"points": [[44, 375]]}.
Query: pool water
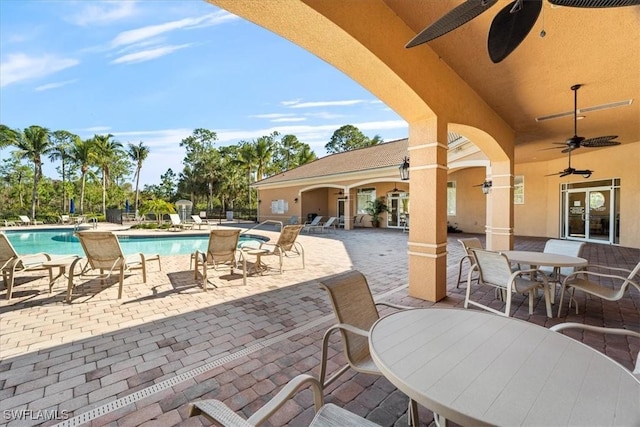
{"points": [[63, 242]]}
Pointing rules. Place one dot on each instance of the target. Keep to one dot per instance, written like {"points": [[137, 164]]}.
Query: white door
{"points": [[590, 214]]}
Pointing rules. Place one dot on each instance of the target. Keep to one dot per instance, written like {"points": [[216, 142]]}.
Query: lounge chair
{"points": [[25, 220], [221, 250], [310, 224], [199, 222], [9, 223], [177, 224], [293, 220], [12, 263], [326, 226], [65, 219], [286, 246], [104, 253], [325, 414]]}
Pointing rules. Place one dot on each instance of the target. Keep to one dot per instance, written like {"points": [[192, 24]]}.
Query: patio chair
{"points": [[293, 220], [614, 331], [286, 246], [325, 226], [199, 222], [65, 219], [355, 312], [177, 224], [325, 414], [222, 250], [591, 280], [313, 223], [9, 223], [494, 269], [11, 263], [467, 244], [25, 220], [104, 253]]}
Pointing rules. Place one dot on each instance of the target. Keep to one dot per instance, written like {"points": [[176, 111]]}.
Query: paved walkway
{"points": [[141, 360]]}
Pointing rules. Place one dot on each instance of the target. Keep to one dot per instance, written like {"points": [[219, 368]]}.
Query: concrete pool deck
{"points": [[140, 360]]}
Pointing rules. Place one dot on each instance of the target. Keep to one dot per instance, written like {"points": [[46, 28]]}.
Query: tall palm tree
{"points": [[263, 151], [138, 153], [246, 159], [82, 154], [33, 143], [107, 152], [8, 136], [62, 144]]}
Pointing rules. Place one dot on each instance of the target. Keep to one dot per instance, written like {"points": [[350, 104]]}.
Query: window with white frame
{"points": [[518, 190], [451, 198], [363, 197]]}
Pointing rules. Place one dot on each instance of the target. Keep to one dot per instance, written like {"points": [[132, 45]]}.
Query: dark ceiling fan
{"points": [[586, 173], [576, 141], [509, 27]]}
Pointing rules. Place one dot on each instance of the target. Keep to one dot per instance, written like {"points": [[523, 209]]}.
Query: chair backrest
{"points": [[196, 219], [493, 267], [7, 252], [293, 219], [470, 242], [175, 219], [64, 218], [563, 247], [223, 245], [288, 236], [352, 304], [24, 218], [316, 220], [329, 222], [102, 249]]}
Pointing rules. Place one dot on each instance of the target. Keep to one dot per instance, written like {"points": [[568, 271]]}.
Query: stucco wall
{"points": [[470, 201]]}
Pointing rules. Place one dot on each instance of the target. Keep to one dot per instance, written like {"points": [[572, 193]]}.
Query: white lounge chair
{"points": [[25, 220], [177, 224], [199, 222], [315, 222], [325, 226]]}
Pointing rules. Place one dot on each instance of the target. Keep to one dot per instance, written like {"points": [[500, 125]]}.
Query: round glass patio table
{"points": [[546, 259], [477, 368]]}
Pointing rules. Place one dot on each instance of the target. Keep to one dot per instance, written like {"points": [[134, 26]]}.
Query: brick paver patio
{"points": [[139, 361]]}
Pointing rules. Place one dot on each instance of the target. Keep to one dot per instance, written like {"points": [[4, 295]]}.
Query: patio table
{"points": [[546, 259], [61, 263], [478, 368]]}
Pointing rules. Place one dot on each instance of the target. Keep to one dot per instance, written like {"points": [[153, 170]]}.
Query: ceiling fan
{"points": [[576, 141], [586, 173], [509, 27]]}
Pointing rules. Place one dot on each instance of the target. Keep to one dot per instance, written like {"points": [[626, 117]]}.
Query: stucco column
{"points": [[428, 209], [348, 217], [499, 228]]}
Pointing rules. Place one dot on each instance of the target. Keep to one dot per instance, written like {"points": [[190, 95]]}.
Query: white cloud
{"points": [[149, 54], [54, 85], [324, 115], [292, 102], [289, 119], [315, 104], [140, 34], [272, 115], [92, 130], [103, 13], [19, 67]]}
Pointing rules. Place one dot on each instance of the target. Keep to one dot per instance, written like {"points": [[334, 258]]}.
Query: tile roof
{"points": [[374, 157]]}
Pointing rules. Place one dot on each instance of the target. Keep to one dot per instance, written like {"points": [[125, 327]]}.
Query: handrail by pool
{"points": [[268, 221]]}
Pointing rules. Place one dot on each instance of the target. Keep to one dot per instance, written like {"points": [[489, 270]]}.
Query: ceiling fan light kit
{"points": [[509, 27]]}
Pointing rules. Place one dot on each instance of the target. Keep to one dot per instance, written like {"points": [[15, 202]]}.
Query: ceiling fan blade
{"points": [[600, 141], [509, 29], [453, 19], [595, 3], [584, 172], [566, 172], [569, 149]]}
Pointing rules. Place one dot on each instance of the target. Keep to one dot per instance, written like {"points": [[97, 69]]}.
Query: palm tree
{"points": [[82, 154], [138, 153], [246, 159], [32, 144], [8, 136], [107, 152], [263, 150], [60, 151]]}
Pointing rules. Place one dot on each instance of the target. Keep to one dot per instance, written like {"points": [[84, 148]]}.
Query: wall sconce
{"points": [[259, 201], [404, 169], [295, 200], [486, 186]]}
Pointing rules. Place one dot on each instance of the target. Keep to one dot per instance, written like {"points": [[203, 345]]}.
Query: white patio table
{"points": [[478, 368]]}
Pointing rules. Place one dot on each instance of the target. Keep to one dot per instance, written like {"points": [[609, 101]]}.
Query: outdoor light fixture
{"points": [[486, 186], [404, 169], [295, 200]]}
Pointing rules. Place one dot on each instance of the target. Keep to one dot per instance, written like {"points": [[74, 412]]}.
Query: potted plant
{"points": [[374, 209]]}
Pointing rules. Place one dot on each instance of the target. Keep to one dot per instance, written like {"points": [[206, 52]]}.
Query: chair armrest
{"points": [[573, 275], [217, 412], [603, 267], [534, 272], [285, 394]]}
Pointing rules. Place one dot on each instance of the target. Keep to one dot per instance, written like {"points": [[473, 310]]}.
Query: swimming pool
{"points": [[63, 242]]}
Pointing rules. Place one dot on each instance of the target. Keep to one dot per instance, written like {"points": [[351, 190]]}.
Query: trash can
{"points": [[229, 215], [311, 216]]}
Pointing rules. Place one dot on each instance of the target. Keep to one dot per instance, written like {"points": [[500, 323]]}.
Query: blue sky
{"points": [[155, 70]]}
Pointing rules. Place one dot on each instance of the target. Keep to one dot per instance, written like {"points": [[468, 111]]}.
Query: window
{"points": [[518, 190], [363, 197], [451, 198], [279, 206]]}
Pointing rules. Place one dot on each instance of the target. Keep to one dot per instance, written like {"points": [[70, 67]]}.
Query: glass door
{"points": [[398, 204], [589, 214]]}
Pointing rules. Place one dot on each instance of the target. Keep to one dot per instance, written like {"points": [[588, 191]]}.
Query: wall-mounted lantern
{"points": [[486, 186], [404, 169]]}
